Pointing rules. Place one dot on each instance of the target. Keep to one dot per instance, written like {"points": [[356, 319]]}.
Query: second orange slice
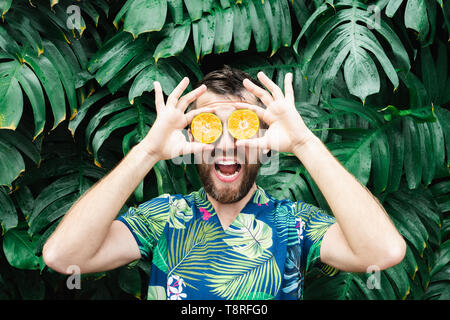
{"points": [[243, 124]]}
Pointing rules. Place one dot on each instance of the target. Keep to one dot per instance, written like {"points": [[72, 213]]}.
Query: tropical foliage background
{"points": [[371, 79]]}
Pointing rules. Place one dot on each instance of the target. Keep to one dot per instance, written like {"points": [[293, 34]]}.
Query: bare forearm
{"points": [[83, 229], [363, 221]]}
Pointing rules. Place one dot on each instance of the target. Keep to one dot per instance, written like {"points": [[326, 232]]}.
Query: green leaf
{"points": [[120, 120], [162, 72], [176, 10], [443, 116], [111, 67], [49, 77], [22, 30], [7, 43], [174, 43], [10, 95], [85, 107], [223, 29], [25, 200], [429, 74], [11, 163], [355, 156], [4, 6], [348, 35], [396, 156], [130, 281], [33, 89], [428, 161], [8, 214], [380, 163], [61, 187], [203, 35], [53, 211], [242, 29], [259, 24], [110, 49], [413, 152], [361, 74], [416, 17], [137, 19], [194, 8], [286, 24], [106, 110], [21, 143], [272, 11], [18, 247]]}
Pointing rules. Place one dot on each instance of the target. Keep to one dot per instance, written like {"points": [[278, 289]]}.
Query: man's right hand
{"points": [[165, 140], [88, 236]]}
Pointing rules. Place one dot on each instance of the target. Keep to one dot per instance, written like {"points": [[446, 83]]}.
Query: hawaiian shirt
{"points": [[263, 254]]}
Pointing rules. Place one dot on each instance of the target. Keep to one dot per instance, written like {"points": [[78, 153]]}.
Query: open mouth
{"points": [[227, 170]]}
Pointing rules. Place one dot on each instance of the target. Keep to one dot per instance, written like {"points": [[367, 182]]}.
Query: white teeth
{"points": [[226, 163]]}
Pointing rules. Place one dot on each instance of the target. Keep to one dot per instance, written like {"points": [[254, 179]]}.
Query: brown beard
{"points": [[228, 195]]}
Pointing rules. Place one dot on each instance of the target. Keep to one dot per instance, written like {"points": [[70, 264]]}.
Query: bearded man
{"points": [[230, 239]]}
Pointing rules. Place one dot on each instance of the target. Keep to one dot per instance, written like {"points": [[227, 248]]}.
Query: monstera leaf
{"points": [[419, 15], [37, 69], [346, 38]]}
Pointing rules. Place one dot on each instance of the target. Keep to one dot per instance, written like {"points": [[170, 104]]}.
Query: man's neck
{"points": [[227, 212]]}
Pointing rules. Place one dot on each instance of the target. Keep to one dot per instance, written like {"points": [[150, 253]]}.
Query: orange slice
{"points": [[243, 124], [206, 127]]}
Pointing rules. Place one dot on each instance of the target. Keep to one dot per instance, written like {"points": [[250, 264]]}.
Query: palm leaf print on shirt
{"points": [[180, 213], [316, 220], [191, 249], [240, 278], [260, 196], [249, 236], [148, 220]]}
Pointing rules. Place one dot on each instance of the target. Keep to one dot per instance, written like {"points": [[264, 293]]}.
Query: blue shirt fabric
{"points": [[263, 254]]}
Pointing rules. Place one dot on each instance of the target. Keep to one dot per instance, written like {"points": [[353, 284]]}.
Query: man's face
{"points": [[228, 172]]}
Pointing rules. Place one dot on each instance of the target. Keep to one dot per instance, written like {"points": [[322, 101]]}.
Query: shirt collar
{"points": [[259, 197]]}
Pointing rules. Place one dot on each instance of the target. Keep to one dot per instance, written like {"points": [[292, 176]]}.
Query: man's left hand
{"points": [[287, 130]]}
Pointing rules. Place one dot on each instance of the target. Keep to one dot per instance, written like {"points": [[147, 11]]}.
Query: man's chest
{"points": [[201, 260]]}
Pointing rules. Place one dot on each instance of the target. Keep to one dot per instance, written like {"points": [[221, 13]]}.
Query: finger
{"points": [[190, 97], [196, 147], [262, 113], [159, 97], [273, 88], [259, 92], [260, 143], [288, 89], [172, 100]]}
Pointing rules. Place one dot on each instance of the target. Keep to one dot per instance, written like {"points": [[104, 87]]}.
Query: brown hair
{"points": [[228, 82]]}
